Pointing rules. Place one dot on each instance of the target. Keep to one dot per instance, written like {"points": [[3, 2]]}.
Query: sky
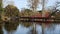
{"points": [[20, 4]]}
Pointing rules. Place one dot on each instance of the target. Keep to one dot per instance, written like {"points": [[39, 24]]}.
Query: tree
{"points": [[0, 3], [57, 14], [43, 3], [43, 14], [33, 4], [26, 12], [1, 9], [11, 11], [53, 9]]}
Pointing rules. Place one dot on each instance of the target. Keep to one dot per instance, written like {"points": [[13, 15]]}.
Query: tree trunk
{"points": [[43, 14]]}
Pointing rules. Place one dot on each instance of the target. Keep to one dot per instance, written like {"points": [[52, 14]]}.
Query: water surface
{"points": [[18, 28]]}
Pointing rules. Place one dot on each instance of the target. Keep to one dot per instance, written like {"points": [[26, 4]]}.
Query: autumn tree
{"points": [[26, 12], [11, 11], [1, 9], [0, 3]]}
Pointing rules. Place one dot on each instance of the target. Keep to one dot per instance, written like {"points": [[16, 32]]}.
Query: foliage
{"points": [[29, 13], [1, 10], [11, 11], [26, 12]]}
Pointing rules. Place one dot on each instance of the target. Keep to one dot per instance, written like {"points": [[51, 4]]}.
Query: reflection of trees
{"points": [[11, 26], [51, 26], [32, 31], [26, 24], [1, 31]]}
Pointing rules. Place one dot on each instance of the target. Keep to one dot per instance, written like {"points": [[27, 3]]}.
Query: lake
{"points": [[20, 28]]}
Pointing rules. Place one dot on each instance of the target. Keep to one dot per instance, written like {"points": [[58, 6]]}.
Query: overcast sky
{"points": [[23, 3]]}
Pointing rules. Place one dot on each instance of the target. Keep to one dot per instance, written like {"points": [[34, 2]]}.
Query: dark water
{"points": [[19, 28]]}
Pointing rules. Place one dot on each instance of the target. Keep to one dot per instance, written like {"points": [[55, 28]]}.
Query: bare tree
{"points": [[33, 4], [43, 3], [43, 14], [54, 7]]}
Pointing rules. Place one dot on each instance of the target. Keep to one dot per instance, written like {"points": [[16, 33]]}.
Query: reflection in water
{"points": [[51, 27], [16, 28], [10, 27], [33, 29], [54, 29], [26, 24], [1, 31], [39, 29], [23, 30]]}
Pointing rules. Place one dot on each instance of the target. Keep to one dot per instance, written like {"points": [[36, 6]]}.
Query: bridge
{"points": [[33, 19], [39, 19]]}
